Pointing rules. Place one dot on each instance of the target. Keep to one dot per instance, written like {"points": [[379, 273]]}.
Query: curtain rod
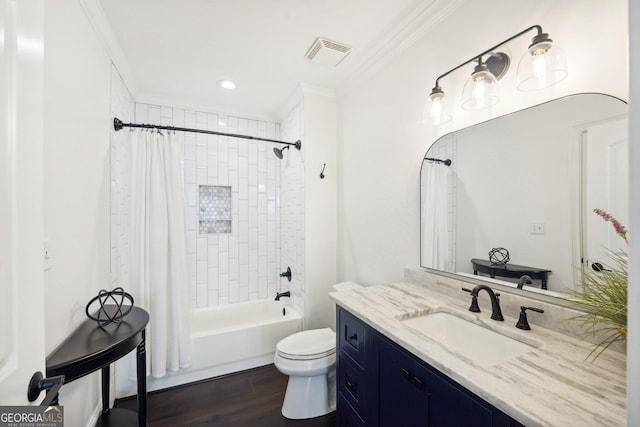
{"points": [[446, 162], [118, 125]]}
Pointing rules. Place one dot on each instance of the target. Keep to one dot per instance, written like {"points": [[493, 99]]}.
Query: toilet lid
{"points": [[313, 343]]}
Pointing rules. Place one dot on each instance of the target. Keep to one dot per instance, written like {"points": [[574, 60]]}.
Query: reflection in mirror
{"points": [[528, 182]]}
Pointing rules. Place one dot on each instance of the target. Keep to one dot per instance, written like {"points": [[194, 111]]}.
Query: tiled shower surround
{"points": [[243, 264]]}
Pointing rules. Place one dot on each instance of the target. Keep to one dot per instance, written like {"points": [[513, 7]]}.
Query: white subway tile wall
{"points": [[243, 264], [291, 208]]}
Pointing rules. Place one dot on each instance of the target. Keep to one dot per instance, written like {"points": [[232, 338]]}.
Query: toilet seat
{"points": [[305, 345]]}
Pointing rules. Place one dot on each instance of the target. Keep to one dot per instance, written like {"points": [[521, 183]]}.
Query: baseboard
{"points": [[95, 415]]}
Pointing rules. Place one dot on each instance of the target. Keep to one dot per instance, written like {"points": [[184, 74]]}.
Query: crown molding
{"points": [[409, 30], [97, 18]]}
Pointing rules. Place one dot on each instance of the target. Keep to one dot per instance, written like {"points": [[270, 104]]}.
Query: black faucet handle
{"points": [[523, 322], [474, 301]]}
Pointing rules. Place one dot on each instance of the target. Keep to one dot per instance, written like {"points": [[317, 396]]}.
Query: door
{"points": [[402, 391], [21, 219], [605, 179]]}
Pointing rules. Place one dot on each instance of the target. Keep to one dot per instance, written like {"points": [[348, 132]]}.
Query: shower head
{"points": [[278, 151]]}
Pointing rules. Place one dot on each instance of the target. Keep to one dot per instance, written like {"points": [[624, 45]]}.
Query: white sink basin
{"points": [[479, 344]]}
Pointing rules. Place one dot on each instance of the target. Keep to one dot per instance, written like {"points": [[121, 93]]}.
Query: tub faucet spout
{"points": [[282, 294]]}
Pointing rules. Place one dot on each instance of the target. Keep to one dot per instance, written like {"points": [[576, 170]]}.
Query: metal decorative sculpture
{"points": [[118, 297], [499, 256]]}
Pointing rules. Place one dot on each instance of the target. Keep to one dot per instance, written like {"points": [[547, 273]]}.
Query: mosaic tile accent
{"points": [[215, 209]]}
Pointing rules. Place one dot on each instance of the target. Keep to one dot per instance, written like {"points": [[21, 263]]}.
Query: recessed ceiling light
{"points": [[226, 84]]}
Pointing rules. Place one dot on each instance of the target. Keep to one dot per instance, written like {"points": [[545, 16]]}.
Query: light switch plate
{"points": [[537, 228]]}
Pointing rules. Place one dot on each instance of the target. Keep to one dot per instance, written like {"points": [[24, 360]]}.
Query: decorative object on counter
{"points": [[117, 296], [499, 256], [523, 323], [603, 296]]}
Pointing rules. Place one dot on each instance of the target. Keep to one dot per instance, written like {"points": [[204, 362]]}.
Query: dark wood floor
{"points": [[250, 398]]}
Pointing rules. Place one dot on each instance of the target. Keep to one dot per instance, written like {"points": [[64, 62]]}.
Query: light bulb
{"points": [[434, 108], [542, 65], [481, 89]]}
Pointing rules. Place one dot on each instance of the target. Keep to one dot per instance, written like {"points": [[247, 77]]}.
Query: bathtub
{"points": [[228, 339]]}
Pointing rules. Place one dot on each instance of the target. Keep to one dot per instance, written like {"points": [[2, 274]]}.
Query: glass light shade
{"points": [[481, 90], [542, 65], [434, 110]]}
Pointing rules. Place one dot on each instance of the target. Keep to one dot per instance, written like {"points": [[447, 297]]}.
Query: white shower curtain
{"points": [[158, 248], [435, 218]]}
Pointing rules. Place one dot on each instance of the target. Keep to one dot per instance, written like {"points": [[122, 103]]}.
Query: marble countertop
{"points": [[553, 385]]}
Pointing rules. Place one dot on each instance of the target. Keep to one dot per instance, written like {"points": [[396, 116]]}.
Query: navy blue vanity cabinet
{"points": [[402, 390], [380, 384], [352, 358]]}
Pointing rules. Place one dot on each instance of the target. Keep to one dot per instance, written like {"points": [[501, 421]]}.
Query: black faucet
{"points": [[524, 280], [282, 294], [496, 313]]}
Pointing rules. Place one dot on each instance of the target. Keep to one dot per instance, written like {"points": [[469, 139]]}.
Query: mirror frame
{"points": [[555, 298]]}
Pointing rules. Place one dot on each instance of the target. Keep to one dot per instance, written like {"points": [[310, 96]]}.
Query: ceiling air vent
{"points": [[327, 52]]}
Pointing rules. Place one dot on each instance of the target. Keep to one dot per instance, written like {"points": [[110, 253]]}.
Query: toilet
{"points": [[309, 359]]}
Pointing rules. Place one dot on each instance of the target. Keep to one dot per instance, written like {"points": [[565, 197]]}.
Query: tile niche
{"points": [[214, 209]]}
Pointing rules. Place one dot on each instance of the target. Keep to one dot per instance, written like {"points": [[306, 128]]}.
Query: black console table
{"points": [[509, 270], [91, 347]]}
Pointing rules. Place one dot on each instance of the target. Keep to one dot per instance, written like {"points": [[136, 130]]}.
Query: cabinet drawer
{"points": [[352, 336], [351, 384], [346, 416]]}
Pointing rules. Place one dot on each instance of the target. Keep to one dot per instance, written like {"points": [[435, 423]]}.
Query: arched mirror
{"points": [[526, 184]]}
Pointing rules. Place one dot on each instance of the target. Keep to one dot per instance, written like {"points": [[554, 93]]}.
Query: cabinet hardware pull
{"points": [[406, 374], [349, 384], [353, 338], [417, 382]]}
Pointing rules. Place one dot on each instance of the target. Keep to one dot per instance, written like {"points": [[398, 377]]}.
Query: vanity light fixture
{"points": [[542, 65]]}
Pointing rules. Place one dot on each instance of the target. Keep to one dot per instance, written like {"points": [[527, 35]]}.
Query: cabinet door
{"points": [[352, 336], [346, 415], [450, 406], [402, 394]]}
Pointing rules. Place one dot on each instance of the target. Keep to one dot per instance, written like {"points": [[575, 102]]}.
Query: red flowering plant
{"points": [[603, 296]]}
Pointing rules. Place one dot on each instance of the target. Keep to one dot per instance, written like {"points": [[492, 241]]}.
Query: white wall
{"points": [[382, 140], [76, 183], [320, 205], [309, 213]]}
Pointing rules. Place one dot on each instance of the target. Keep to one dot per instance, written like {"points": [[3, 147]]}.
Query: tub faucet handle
{"points": [[287, 274]]}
